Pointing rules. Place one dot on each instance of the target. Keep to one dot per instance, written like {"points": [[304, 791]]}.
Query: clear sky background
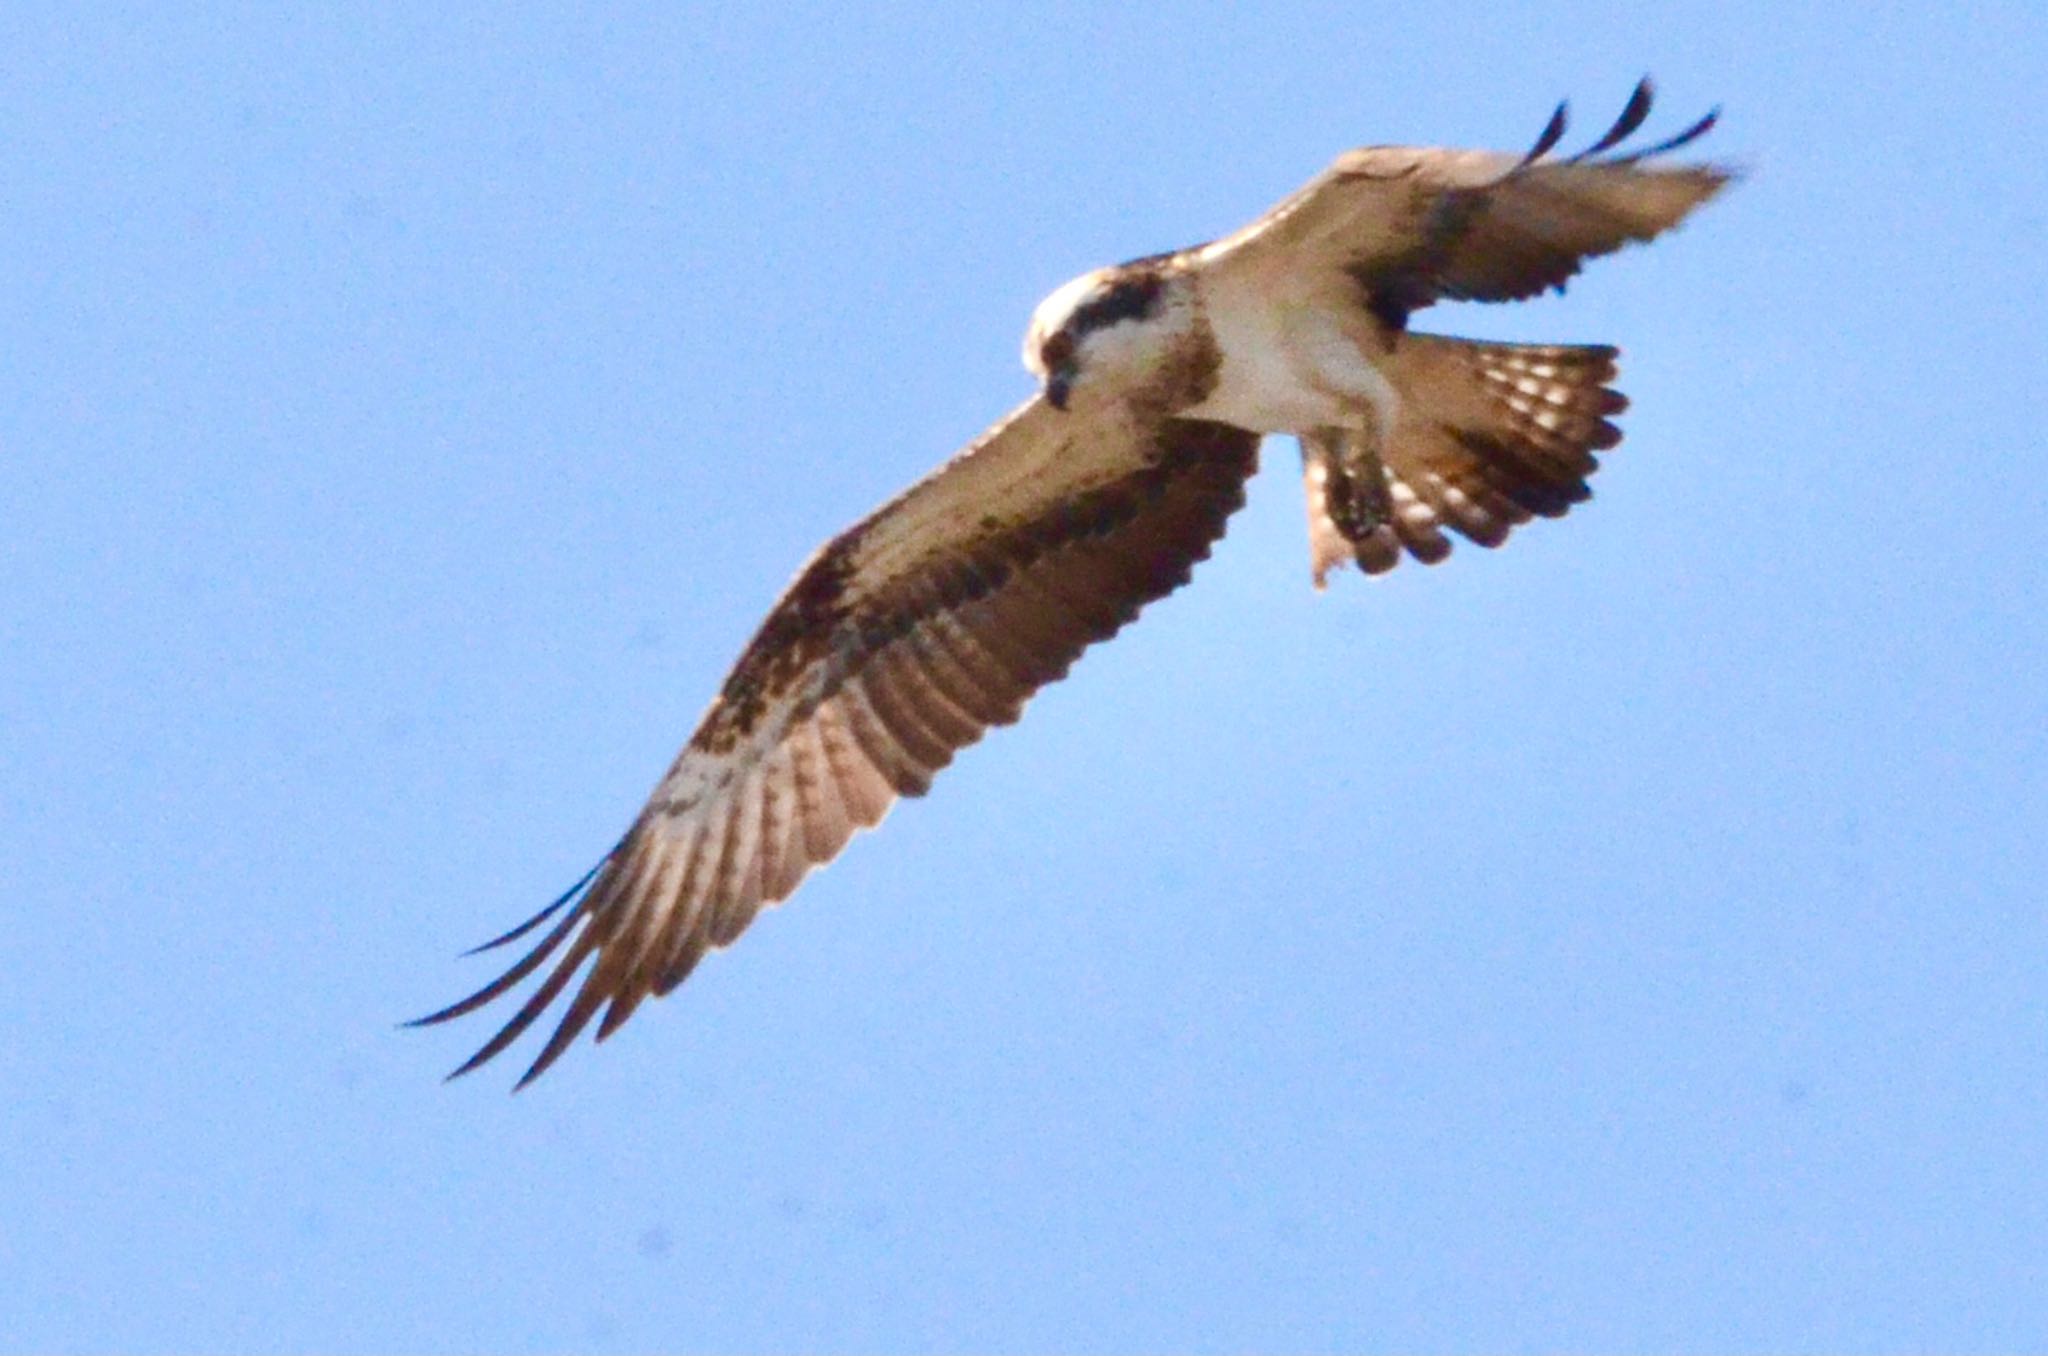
{"points": [[1634, 938]]}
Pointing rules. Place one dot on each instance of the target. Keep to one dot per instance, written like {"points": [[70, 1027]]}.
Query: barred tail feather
{"points": [[1487, 437]]}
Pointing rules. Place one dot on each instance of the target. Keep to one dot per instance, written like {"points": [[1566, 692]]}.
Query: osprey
{"points": [[907, 636]]}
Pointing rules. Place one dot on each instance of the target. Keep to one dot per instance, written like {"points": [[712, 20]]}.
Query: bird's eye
{"points": [[1056, 352]]}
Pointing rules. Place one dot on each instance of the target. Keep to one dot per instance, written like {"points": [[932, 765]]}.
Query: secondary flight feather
{"points": [[907, 636]]}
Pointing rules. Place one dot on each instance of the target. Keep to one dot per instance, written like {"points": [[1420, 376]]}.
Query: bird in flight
{"points": [[907, 636]]}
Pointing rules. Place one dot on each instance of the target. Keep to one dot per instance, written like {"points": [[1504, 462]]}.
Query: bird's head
{"points": [[1104, 330]]}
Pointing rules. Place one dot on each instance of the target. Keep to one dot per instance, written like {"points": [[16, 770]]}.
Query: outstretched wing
{"points": [[900, 642], [1416, 224]]}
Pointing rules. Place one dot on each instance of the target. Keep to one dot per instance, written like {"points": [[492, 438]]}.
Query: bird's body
{"points": [[907, 636], [1292, 360]]}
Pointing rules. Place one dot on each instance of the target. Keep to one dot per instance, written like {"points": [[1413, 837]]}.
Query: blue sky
{"points": [[1633, 938]]}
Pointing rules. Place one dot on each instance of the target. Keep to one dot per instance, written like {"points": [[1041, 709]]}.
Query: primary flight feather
{"points": [[910, 634]]}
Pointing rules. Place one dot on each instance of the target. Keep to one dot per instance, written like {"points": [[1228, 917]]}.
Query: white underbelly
{"points": [[1289, 369]]}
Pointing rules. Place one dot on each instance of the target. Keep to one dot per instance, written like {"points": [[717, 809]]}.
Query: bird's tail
{"points": [[1486, 436]]}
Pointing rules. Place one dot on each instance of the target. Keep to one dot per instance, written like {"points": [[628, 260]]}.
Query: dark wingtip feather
{"points": [[1689, 135], [565, 1033], [530, 924], [597, 986], [537, 1002], [1553, 132], [1632, 115], [622, 1006], [526, 966]]}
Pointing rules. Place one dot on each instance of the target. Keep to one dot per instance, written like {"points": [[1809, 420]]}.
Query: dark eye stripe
{"points": [[1131, 298]]}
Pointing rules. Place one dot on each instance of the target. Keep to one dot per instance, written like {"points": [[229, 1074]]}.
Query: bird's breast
{"points": [[1289, 365]]}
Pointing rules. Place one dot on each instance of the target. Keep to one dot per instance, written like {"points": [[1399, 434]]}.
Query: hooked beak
{"points": [[1059, 385]]}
